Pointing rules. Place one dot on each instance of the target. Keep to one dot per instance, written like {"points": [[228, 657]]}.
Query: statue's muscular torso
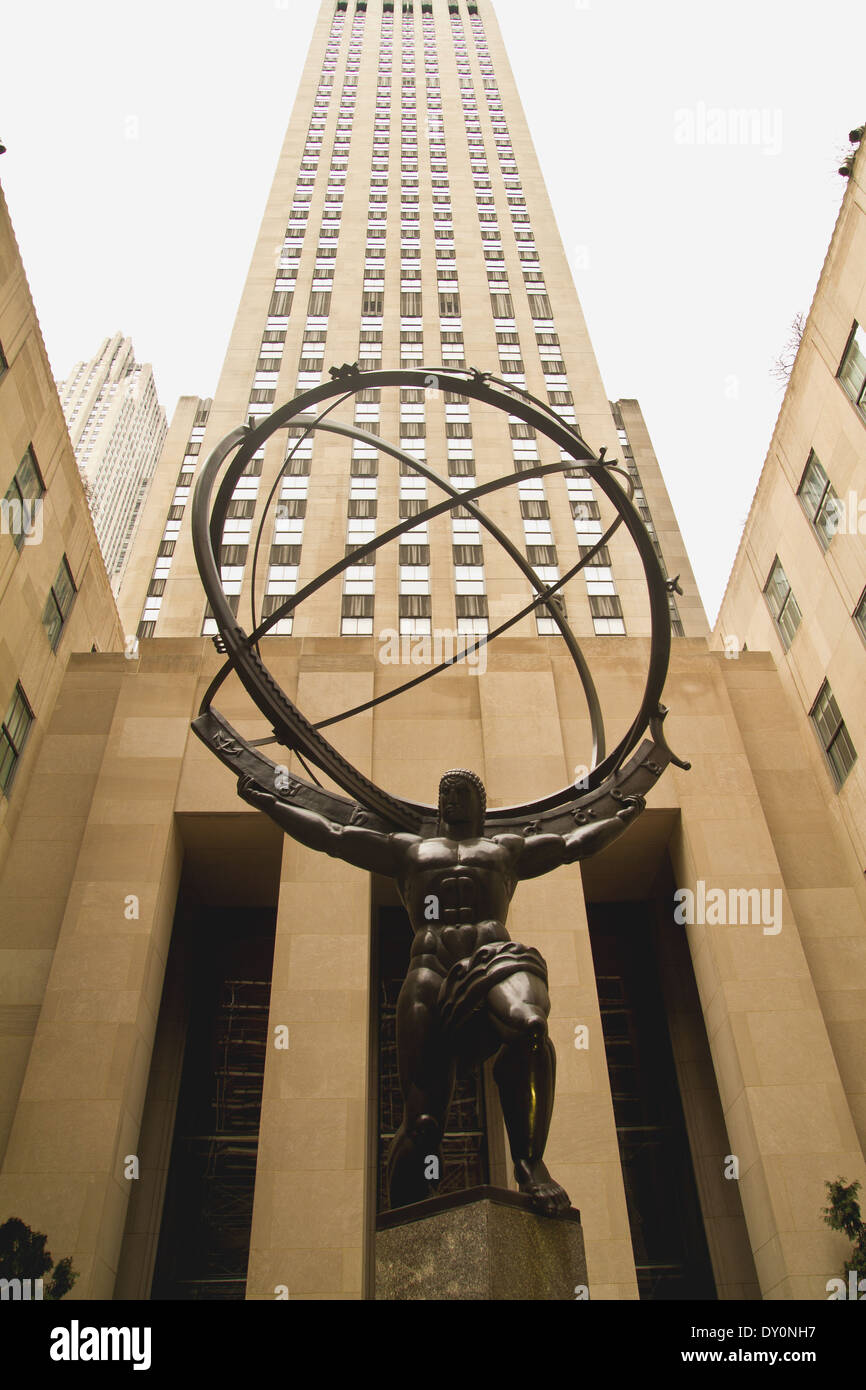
{"points": [[457, 894]]}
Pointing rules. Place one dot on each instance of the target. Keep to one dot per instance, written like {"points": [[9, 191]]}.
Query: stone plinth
{"points": [[481, 1244]]}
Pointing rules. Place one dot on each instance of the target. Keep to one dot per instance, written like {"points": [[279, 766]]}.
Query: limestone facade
{"points": [[823, 564], [770, 1070], [45, 527]]}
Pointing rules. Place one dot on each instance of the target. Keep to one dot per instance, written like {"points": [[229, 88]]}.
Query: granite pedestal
{"points": [[482, 1244]]}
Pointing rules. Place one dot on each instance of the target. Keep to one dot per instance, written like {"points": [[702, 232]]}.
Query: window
{"points": [[17, 506], [608, 627], [819, 501], [281, 303], [449, 305], [414, 605], [540, 306], [852, 371], [240, 507], [13, 736], [283, 626], [782, 604], [60, 599], [831, 730], [584, 508]]}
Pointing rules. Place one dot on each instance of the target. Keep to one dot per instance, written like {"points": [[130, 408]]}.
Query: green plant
{"points": [[843, 1214], [23, 1256]]}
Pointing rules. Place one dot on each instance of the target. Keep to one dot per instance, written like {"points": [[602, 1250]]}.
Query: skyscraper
{"points": [[408, 224], [205, 1085], [117, 427]]}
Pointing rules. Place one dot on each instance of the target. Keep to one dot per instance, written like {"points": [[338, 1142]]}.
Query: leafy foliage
{"points": [[843, 1214]]}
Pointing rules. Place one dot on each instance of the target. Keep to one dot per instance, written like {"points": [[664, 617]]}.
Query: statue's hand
{"points": [[249, 789], [632, 808]]}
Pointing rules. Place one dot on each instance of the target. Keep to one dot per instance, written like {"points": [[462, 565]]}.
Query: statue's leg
{"points": [[525, 1072], [427, 1080]]}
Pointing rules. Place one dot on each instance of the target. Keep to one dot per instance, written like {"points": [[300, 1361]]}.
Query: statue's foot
{"points": [[536, 1182]]}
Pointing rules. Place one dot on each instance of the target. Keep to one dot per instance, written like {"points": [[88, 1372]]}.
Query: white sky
{"points": [[691, 259]]}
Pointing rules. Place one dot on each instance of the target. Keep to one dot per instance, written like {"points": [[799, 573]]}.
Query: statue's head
{"points": [[462, 800]]}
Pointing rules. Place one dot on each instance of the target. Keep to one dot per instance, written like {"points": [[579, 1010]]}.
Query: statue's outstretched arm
{"points": [[366, 849], [541, 853]]}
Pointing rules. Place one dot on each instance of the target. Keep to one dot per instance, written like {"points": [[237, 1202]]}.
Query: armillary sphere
{"points": [[610, 778]]}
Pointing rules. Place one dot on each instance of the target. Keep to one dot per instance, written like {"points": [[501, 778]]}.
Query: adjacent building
{"points": [[798, 585], [117, 427], [204, 1085], [54, 592]]}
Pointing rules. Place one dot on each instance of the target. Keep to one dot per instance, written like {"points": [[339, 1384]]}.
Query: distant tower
{"points": [[118, 428]]}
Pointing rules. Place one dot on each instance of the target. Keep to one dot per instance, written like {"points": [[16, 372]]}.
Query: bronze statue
{"points": [[470, 990]]}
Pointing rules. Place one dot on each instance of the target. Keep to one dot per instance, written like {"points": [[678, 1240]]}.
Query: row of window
{"points": [[25, 489], [604, 602], [15, 727], [287, 538], [183, 487], [824, 511], [819, 502], [646, 516], [467, 552], [825, 716], [23, 493], [532, 499], [14, 732], [407, 6]]}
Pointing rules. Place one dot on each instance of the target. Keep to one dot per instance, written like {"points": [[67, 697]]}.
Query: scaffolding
{"points": [[217, 1170]]}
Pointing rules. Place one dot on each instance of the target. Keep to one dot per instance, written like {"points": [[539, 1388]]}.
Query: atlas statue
{"points": [[470, 991]]}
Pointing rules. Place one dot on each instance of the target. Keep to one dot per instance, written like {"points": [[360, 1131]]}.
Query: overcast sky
{"points": [[142, 140]]}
